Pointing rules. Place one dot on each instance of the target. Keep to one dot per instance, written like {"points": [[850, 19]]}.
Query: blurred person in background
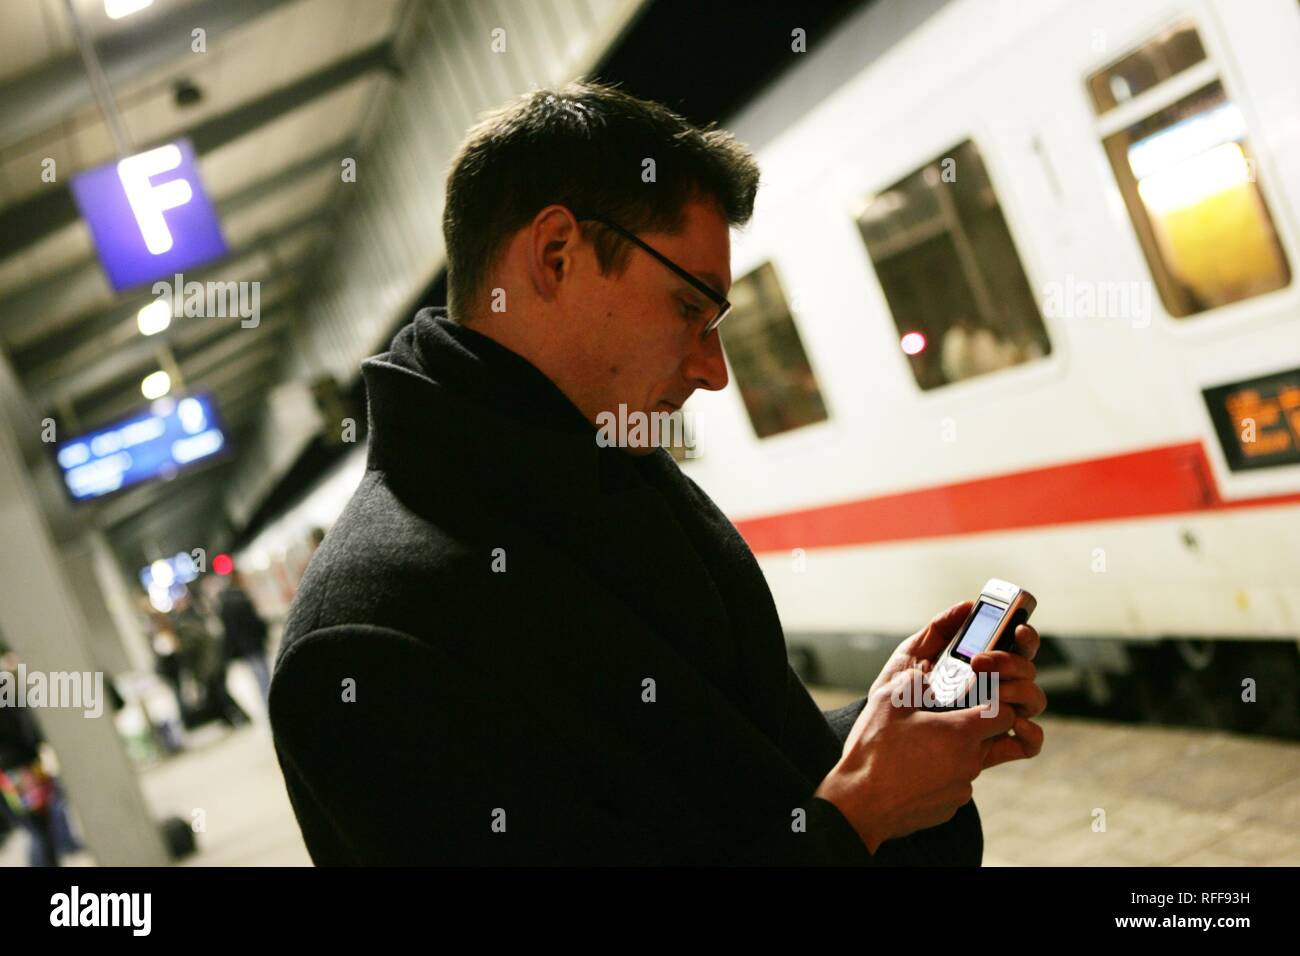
{"points": [[244, 628], [206, 656], [30, 796], [169, 666]]}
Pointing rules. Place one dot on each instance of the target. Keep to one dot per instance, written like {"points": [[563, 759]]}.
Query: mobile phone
{"points": [[990, 626]]}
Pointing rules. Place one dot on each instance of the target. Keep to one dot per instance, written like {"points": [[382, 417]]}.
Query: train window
{"points": [[950, 273], [1188, 178], [1176, 49], [767, 357]]}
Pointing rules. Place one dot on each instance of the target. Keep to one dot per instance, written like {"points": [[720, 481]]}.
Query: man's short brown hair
{"points": [[583, 146]]}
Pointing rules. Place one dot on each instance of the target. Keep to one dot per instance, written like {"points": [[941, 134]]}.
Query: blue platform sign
{"points": [[159, 442], [149, 215]]}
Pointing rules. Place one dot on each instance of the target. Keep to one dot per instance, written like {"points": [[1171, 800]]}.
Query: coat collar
{"points": [[444, 385], [473, 436]]}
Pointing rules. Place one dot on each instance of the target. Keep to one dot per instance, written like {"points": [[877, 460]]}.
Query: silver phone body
{"points": [[991, 625]]}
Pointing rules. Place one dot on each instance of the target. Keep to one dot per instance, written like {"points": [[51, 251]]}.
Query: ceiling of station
{"points": [[286, 90]]}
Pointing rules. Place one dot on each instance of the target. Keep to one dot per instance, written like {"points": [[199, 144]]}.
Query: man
{"points": [[206, 658], [244, 628], [520, 645]]}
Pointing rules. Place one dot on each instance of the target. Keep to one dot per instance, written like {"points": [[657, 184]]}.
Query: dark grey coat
{"points": [[559, 653]]}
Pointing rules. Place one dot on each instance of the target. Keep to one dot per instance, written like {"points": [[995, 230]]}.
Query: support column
{"points": [[40, 620]]}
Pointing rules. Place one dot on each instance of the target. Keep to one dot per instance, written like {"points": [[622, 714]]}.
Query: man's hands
{"points": [[1016, 678], [1017, 686], [920, 651], [905, 769]]}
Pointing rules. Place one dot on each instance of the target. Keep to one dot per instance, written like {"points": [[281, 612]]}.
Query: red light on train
{"points": [[913, 343], [222, 564]]}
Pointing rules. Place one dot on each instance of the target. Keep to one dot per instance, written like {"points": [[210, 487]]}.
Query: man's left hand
{"points": [[1017, 678], [1017, 686]]}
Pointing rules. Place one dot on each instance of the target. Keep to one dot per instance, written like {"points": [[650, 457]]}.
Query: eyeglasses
{"points": [[698, 284]]}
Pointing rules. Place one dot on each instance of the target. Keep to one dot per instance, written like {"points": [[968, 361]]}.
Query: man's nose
{"points": [[706, 366]]}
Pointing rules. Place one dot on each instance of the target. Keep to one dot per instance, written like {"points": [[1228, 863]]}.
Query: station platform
{"points": [[1170, 797]]}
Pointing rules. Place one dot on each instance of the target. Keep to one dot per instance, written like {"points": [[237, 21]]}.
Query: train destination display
{"points": [[1258, 420]]}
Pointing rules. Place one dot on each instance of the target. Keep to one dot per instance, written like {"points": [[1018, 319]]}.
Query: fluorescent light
{"points": [[117, 9], [162, 573], [1186, 139], [156, 385], [1194, 180], [154, 317], [160, 599]]}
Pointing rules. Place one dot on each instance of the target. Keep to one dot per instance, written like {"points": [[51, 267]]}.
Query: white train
{"points": [[1017, 301], [1084, 217]]}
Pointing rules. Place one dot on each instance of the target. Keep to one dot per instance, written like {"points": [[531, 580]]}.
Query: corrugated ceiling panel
{"points": [[389, 244]]}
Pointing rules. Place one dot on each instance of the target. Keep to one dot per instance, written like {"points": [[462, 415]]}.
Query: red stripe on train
{"points": [[1141, 484]]}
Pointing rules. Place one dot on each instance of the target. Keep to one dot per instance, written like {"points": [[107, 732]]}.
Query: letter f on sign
{"points": [[148, 201]]}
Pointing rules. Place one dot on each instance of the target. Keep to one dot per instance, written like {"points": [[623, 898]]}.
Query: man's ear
{"points": [[552, 238]]}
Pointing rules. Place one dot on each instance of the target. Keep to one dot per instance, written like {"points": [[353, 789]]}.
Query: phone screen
{"points": [[982, 625]]}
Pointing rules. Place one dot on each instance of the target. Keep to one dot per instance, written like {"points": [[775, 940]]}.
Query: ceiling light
{"points": [[117, 9], [156, 385], [154, 317]]}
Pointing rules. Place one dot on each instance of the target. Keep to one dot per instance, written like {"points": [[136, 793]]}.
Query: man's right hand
{"points": [[905, 769]]}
